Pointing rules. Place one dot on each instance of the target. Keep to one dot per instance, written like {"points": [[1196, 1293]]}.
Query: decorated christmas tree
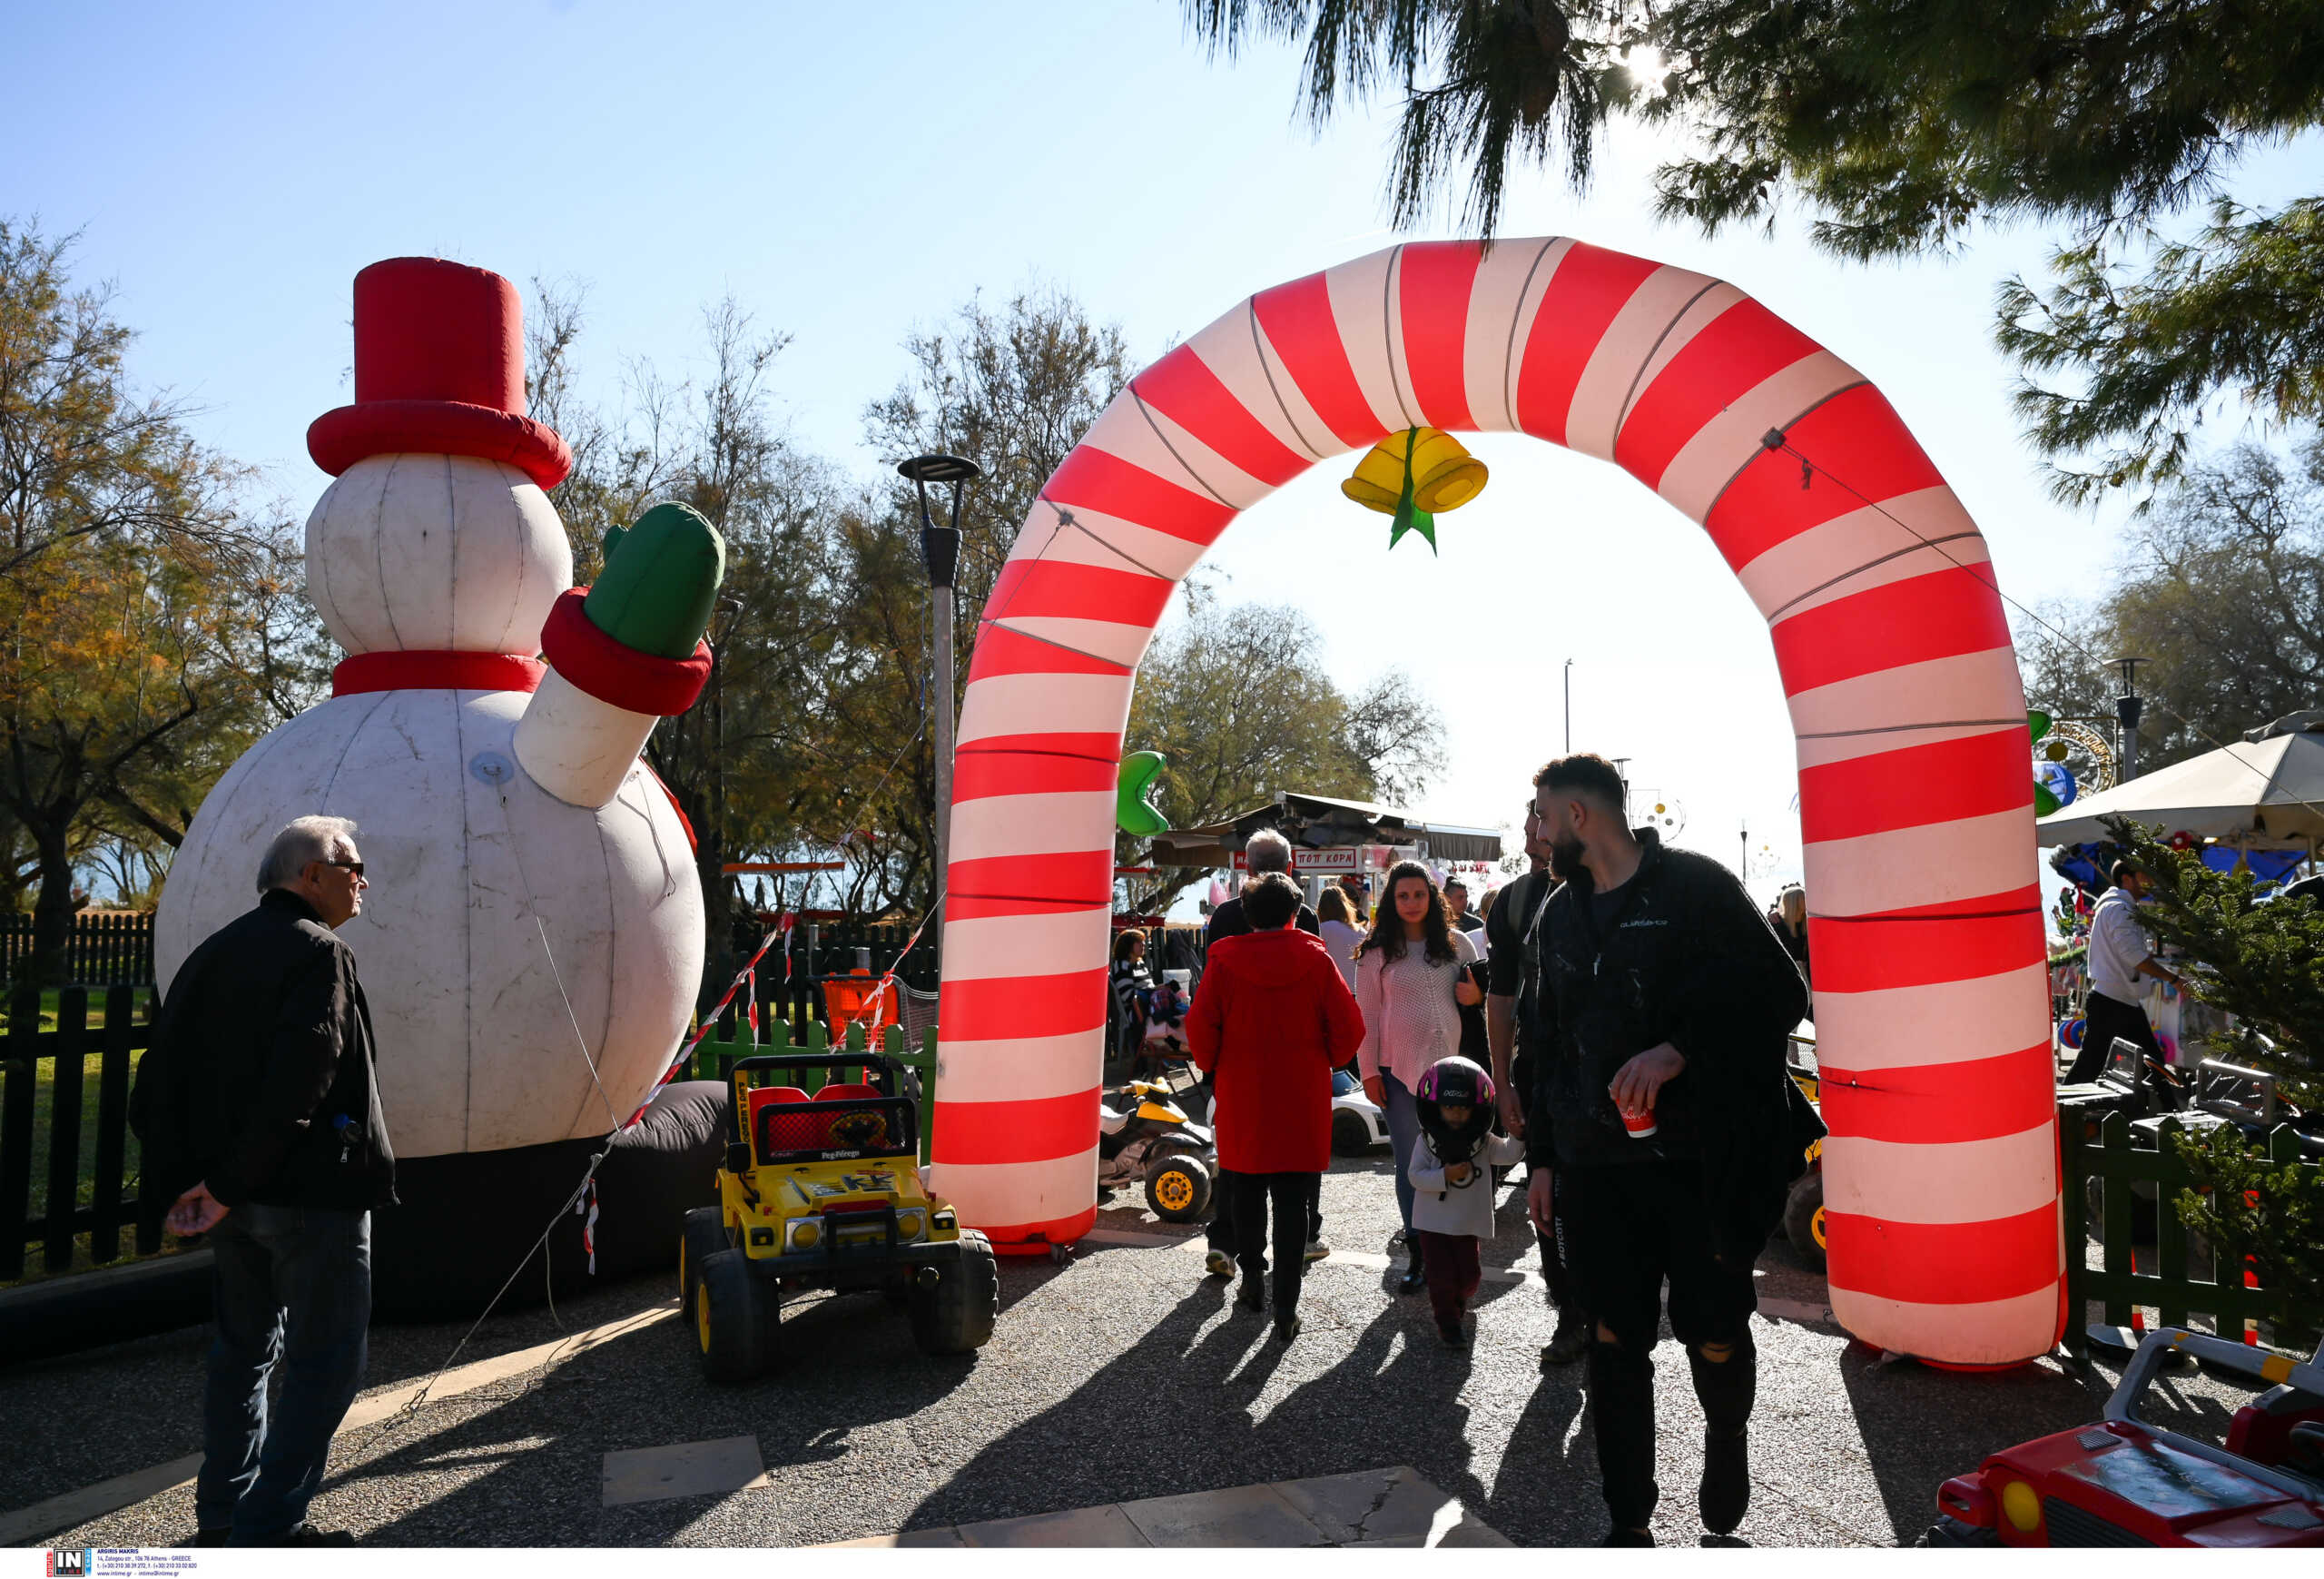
{"points": [[2260, 961]]}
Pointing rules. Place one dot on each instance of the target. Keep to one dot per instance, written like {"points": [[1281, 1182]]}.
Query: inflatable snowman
{"points": [[532, 943]]}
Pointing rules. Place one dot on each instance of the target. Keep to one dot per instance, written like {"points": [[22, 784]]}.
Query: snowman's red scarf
{"points": [[619, 675], [435, 671]]}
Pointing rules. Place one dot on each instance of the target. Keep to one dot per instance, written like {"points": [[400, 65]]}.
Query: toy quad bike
{"points": [[1144, 1134], [824, 1192], [2124, 1482]]}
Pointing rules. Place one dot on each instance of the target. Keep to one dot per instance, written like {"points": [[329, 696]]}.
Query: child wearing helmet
{"points": [[1451, 1175]]}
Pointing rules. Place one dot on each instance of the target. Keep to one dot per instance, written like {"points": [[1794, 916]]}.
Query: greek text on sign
{"points": [[1315, 861]]}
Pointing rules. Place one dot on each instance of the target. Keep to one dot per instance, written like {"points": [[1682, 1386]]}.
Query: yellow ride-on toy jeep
{"points": [[824, 1192]]}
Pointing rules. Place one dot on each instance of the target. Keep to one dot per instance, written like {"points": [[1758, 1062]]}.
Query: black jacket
{"points": [[259, 1082], [1688, 959], [1227, 922], [1508, 932]]}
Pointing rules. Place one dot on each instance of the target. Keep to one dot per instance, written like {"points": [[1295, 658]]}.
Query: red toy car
{"points": [[2126, 1483]]}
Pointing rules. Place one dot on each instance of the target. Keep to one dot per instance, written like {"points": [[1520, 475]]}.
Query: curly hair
{"points": [[1388, 927]]}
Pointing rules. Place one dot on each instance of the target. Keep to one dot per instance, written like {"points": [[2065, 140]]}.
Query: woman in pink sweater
{"points": [[1411, 981]]}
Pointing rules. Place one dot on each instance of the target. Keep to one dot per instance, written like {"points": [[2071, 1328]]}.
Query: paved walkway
{"points": [[1122, 1378], [1379, 1507]]}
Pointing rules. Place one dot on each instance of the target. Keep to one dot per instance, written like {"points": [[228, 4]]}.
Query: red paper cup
{"points": [[1642, 1126]]}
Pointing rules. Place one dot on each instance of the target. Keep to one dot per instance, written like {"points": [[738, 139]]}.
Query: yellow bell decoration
{"points": [[1412, 476]]}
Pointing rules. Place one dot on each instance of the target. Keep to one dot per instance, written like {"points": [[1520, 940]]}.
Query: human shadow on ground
{"points": [[522, 1464], [1392, 1394], [139, 1403]]}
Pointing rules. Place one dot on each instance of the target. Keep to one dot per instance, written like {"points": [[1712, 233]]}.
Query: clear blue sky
{"points": [[851, 172]]}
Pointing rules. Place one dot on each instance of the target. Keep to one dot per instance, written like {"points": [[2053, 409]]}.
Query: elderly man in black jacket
{"points": [[257, 1101], [1674, 1128]]}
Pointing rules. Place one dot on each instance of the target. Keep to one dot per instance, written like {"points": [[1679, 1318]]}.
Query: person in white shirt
{"points": [[2119, 956], [1339, 931], [1412, 983]]}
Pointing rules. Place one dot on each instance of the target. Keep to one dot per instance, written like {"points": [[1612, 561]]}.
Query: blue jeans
{"points": [[1403, 1134], [292, 1284]]}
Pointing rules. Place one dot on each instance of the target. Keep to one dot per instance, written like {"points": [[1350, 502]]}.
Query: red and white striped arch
{"points": [[1915, 802]]}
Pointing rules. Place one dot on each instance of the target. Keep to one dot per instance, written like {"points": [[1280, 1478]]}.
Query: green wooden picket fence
{"points": [[2161, 1278], [713, 1059]]}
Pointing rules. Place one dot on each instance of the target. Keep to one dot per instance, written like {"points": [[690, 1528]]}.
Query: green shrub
{"points": [[2260, 1215]]}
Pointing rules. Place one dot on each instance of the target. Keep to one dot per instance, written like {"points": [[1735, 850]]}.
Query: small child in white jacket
{"points": [[1453, 1211]]}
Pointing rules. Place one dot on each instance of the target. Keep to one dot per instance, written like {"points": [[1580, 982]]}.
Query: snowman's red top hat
{"points": [[440, 369]]}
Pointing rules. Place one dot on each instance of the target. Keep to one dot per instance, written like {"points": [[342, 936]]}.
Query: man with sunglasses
{"points": [[257, 1101]]}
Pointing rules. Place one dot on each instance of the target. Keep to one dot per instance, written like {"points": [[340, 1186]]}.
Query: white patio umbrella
{"points": [[2263, 792]]}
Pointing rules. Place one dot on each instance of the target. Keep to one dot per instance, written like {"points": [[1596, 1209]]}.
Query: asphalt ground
{"points": [[1121, 1374]]}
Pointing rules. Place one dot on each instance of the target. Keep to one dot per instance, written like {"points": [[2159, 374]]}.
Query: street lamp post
{"points": [[939, 549], [2127, 708]]}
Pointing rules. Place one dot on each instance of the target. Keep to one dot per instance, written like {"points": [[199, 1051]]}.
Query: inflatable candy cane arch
{"points": [[1941, 1175]]}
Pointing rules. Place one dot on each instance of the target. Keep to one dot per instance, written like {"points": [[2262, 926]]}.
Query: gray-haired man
{"points": [[257, 1105], [1263, 852]]}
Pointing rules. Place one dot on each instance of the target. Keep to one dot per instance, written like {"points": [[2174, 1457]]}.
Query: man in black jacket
{"points": [[257, 1101], [1263, 852], [1516, 1039], [1670, 1119]]}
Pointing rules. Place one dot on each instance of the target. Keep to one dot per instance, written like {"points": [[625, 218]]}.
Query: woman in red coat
{"points": [[1271, 1020]]}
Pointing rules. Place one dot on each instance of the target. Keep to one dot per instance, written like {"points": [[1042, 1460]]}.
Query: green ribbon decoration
{"points": [[1135, 787], [1409, 517]]}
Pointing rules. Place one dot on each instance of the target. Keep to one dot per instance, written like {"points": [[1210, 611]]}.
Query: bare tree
{"points": [[2222, 585], [1014, 391], [1238, 700]]}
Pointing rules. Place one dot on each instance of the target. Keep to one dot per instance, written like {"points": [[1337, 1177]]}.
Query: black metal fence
{"points": [[1174, 948], [112, 949], [68, 1164], [791, 975]]}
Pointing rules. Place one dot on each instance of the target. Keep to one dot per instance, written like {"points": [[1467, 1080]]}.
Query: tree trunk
{"points": [[52, 910], [719, 961]]}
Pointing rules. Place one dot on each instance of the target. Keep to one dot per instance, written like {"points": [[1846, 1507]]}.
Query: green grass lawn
{"points": [[48, 1006], [44, 1113]]}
